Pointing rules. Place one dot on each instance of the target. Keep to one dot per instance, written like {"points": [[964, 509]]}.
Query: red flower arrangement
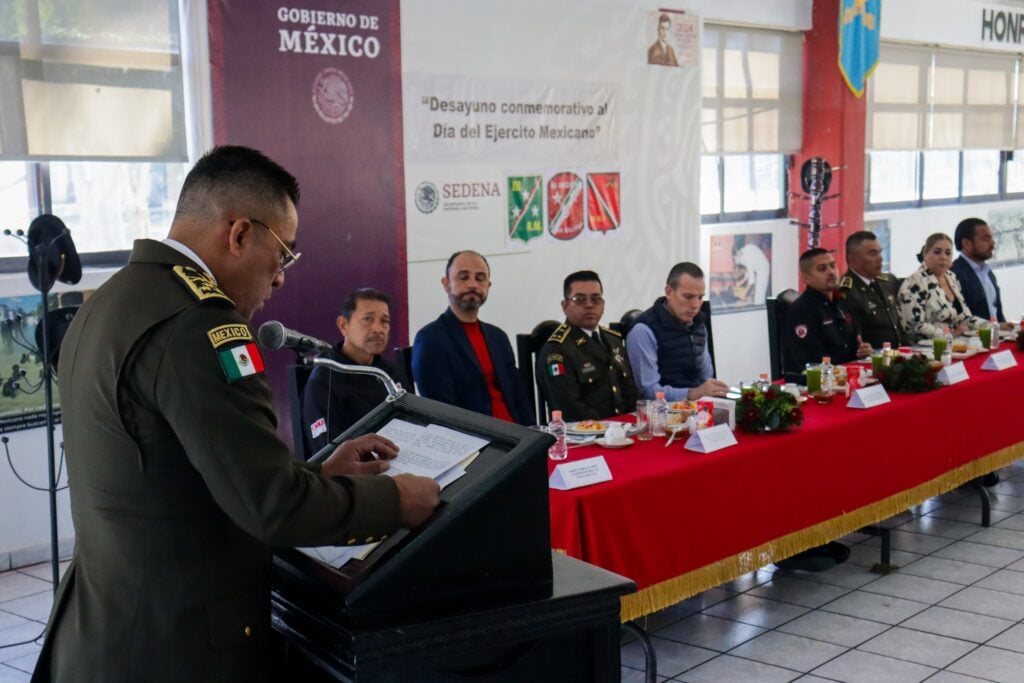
{"points": [[772, 410]]}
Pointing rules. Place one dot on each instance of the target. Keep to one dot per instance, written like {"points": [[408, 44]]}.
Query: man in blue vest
{"points": [[668, 345]]}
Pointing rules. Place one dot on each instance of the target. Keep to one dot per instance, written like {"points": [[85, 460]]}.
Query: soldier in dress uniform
{"points": [[818, 323], [868, 293], [582, 369]]}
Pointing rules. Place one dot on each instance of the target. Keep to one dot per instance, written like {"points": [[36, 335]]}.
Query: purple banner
{"points": [[317, 87]]}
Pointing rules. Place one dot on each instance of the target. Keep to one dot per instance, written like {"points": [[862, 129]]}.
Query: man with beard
{"points": [[332, 401], [818, 323], [973, 238], [465, 362]]}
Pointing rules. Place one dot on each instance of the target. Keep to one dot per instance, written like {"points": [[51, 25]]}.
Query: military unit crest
{"points": [[202, 286]]}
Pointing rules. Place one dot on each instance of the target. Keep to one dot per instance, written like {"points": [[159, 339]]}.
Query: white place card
{"points": [[573, 475], [869, 397], [952, 374], [711, 439], [1000, 360]]}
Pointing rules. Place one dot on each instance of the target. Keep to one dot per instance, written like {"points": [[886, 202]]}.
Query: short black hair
{"points": [[235, 170], [351, 302], [451, 260], [810, 255], [683, 268], [858, 238], [579, 276], [965, 231]]}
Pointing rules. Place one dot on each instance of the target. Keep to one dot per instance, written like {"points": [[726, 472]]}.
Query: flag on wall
{"points": [[859, 26]]}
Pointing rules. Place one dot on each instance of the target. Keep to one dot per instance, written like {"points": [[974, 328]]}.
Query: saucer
{"points": [[625, 443]]}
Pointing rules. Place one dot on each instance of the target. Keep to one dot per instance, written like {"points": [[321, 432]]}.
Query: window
{"points": [[937, 119], [92, 100], [751, 119]]}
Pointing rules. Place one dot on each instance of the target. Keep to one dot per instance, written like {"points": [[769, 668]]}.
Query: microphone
{"points": [[273, 335]]}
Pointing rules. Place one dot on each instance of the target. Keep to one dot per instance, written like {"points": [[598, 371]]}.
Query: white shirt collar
{"points": [[182, 249]]}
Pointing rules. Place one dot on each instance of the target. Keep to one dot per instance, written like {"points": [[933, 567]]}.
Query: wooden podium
{"points": [[475, 594]]}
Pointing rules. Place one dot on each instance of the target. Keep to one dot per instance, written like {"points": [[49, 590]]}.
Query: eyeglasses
{"points": [[581, 299], [288, 257]]}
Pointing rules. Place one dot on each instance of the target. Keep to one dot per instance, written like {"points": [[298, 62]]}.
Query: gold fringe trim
{"points": [[669, 592]]}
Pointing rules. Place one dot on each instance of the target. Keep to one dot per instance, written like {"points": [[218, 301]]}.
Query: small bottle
{"points": [[556, 428], [763, 383], [994, 325], [947, 355], [659, 416], [828, 376]]}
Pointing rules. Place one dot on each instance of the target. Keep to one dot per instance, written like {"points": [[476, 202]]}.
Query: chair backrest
{"points": [[626, 322], [705, 310], [527, 347], [403, 359], [298, 375], [776, 307]]}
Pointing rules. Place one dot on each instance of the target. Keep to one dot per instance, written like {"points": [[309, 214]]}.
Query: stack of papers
{"points": [[433, 451]]}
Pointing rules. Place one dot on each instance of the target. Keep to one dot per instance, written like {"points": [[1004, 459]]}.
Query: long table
{"points": [[679, 522]]}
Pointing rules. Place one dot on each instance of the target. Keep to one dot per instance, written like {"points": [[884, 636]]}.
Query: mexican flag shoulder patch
{"points": [[241, 361]]}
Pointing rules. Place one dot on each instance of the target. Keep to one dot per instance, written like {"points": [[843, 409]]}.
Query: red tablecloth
{"points": [[679, 522]]}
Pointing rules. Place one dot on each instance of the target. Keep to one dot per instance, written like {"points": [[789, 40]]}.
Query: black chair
{"points": [[403, 359], [298, 375], [776, 307], [626, 322], [527, 347]]}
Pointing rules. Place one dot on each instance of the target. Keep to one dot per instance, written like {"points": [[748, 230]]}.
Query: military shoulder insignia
{"points": [[555, 358], [240, 360], [201, 285], [610, 331], [846, 282], [225, 334], [560, 334], [800, 331], [883, 277]]}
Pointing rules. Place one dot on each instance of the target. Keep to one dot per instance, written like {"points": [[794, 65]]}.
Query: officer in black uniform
{"points": [[868, 293], [582, 369], [819, 323]]}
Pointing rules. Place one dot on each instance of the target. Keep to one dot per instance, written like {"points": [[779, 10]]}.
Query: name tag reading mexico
{"points": [[1000, 360], [573, 475], [869, 397], [952, 374], [711, 439]]}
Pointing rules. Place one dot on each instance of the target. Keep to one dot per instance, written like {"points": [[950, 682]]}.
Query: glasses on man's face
{"points": [[582, 299], [288, 257]]}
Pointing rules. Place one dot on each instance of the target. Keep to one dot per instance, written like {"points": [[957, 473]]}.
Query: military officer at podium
{"points": [[868, 293], [582, 369]]}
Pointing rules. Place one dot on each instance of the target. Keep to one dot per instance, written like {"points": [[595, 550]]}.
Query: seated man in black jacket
{"points": [[331, 401]]}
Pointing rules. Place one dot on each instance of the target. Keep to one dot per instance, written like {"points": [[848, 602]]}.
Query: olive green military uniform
{"points": [[874, 308], [584, 379], [179, 486]]}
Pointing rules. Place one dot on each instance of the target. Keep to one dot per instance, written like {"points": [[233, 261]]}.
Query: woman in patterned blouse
{"points": [[930, 298]]}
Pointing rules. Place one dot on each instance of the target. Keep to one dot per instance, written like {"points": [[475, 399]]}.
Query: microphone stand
{"points": [[394, 390]]}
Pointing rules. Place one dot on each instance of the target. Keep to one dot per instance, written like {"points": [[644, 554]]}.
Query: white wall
{"points": [[910, 227]]}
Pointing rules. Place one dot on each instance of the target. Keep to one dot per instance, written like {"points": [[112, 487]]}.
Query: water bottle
{"points": [[994, 325], [764, 382], [828, 376], [947, 355], [660, 414], [556, 428]]}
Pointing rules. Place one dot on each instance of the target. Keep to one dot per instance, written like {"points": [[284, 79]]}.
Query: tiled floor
{"points": [[953, 613]]}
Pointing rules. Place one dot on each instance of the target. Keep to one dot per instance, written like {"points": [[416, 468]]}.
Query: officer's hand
{"points": [[863, 348], [366, 454], [419, 497], [711, 387]]}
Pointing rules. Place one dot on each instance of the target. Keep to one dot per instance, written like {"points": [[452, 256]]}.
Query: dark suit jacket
{"points": [[446, 369], [974, 293], [179, 486]]}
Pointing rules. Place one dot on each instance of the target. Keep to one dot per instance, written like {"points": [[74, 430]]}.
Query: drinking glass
{"points": [[813, 371], [938, 347], [877, 363], [985, 335], [643, 420]]}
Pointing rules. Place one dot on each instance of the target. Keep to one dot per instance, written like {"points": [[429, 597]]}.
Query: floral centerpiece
{"points": [[772, 410], [911, 375]]}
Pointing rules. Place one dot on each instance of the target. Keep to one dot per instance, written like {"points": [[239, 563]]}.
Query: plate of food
{"points": [[593, 427], [682, 406]]}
